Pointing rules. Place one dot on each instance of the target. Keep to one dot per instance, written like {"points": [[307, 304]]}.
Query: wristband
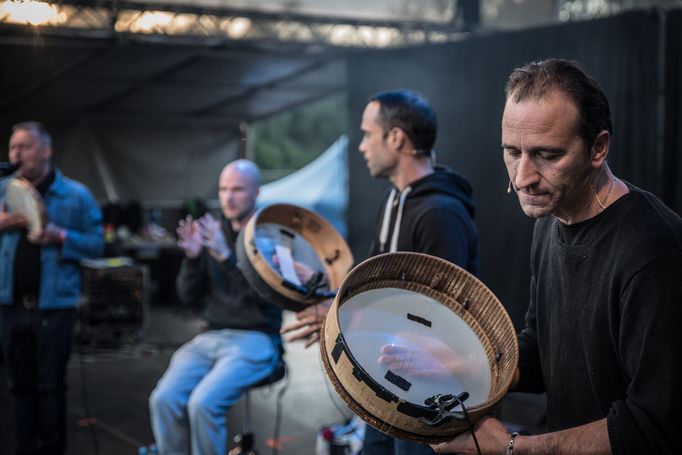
{"points": [[510, 447]]}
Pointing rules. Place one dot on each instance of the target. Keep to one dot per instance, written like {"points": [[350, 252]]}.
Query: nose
{"points": [[13, 154], [526, 172], [362, 148]]}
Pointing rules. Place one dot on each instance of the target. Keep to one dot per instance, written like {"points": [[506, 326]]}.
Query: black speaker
{"points": [[113, 300]]}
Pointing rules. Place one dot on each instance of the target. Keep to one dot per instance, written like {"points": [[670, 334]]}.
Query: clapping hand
{"points": [[212, 237], [188, 237]]}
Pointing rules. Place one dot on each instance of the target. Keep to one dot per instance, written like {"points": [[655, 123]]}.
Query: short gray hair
{"points": [[38, 128]]}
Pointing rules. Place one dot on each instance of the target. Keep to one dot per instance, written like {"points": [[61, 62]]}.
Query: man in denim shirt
{"points": [[40, 288]]}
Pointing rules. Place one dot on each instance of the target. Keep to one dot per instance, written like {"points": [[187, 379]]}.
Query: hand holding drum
{"points": [[25, 208]]}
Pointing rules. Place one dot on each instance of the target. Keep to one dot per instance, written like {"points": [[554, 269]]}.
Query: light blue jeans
{"points": [[205, 377]]}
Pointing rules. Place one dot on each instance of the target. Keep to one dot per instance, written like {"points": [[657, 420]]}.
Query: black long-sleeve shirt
{"points": [[230, 301], [602, 335]]}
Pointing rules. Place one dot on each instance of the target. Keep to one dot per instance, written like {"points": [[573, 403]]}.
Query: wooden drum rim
{"points": [[465, 295], [331, 248]]}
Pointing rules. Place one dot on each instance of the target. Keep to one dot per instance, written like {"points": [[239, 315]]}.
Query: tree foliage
{"points": [[290, 140]]}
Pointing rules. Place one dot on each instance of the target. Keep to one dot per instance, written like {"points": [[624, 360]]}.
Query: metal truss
{"points": [[175, 23]]}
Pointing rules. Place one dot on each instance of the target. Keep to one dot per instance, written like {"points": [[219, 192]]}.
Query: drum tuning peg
{"points": [[402, 276], [331, 260]]}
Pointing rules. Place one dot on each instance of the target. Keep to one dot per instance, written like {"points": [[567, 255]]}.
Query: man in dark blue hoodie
{"points": [[428, 209]]}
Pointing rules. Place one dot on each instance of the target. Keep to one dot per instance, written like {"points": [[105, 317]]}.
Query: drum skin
{"points": [[23, 197], [330, 248], [451, 286]]}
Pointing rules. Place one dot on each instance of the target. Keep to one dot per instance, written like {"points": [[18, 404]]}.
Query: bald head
{"points": [[245, 168], [238, 188]]}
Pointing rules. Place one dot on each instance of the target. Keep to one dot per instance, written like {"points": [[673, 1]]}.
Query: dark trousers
{"points": [[36, 345], [377, 443]]}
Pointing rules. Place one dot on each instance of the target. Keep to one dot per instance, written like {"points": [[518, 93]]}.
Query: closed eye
{"points": [[550, 155]]}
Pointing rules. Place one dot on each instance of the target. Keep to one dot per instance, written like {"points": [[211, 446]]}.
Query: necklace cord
{"points": [[606, 198]]}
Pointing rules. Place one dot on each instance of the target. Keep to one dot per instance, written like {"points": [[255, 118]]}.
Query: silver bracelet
{"points": [[510, 446]]}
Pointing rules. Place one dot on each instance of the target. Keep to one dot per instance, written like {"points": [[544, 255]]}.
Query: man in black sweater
{"points": [[427, 209], [602, 333], [242, 343]]}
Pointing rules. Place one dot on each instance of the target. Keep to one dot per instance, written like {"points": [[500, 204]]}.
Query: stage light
{"points": [[238, 27], [28, 12], [151, 21]]}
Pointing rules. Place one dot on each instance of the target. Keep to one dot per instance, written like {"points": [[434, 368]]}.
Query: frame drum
{"points": [[410, 337], [23, 197], [294, 235]]}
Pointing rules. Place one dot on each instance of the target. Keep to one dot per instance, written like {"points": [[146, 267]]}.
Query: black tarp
{"points": [[465, 83], [672, 162]]}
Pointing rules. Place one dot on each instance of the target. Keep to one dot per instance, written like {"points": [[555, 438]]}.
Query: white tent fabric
{"points": [[321, 186]]}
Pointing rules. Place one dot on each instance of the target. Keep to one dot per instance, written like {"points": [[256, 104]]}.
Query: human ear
{"points": [[396, 138], [600, 148]]}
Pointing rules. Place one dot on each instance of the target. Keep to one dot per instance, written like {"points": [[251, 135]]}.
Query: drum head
{"points": [[23, 197], [406, 328], [279, 242], [429, 337]]}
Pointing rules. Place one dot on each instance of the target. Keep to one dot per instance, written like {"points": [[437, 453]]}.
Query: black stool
{"points": [[245, 439]]}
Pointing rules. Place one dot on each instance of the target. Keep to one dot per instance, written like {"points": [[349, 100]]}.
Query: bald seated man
{"points": [[241, 345]]}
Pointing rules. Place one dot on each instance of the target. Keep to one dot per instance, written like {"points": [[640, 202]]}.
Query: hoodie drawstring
{"points": [[383, 236]]}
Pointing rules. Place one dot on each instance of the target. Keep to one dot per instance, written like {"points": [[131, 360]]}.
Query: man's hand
{"points": [[212, 238], [492, 437], [188, 237], [50, 235], [308, 323], [11, 221], [424, 356]]}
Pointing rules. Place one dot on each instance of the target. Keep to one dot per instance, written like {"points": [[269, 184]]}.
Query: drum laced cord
{"points": [[465, 412]]}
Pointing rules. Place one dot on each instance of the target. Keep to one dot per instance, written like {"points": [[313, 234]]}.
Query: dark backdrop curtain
{"points": [[465, 83], [672, 162], [150, 162]]}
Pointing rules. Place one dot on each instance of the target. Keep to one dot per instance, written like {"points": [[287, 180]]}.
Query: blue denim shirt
{"points": [[70, 205]]}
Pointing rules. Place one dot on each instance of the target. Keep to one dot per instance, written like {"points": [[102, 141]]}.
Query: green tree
{"points": [[288, 141]]}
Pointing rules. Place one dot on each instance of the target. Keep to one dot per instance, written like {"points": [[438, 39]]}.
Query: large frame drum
{"points": [[23, 197], [408, 335], [295, 235]]}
